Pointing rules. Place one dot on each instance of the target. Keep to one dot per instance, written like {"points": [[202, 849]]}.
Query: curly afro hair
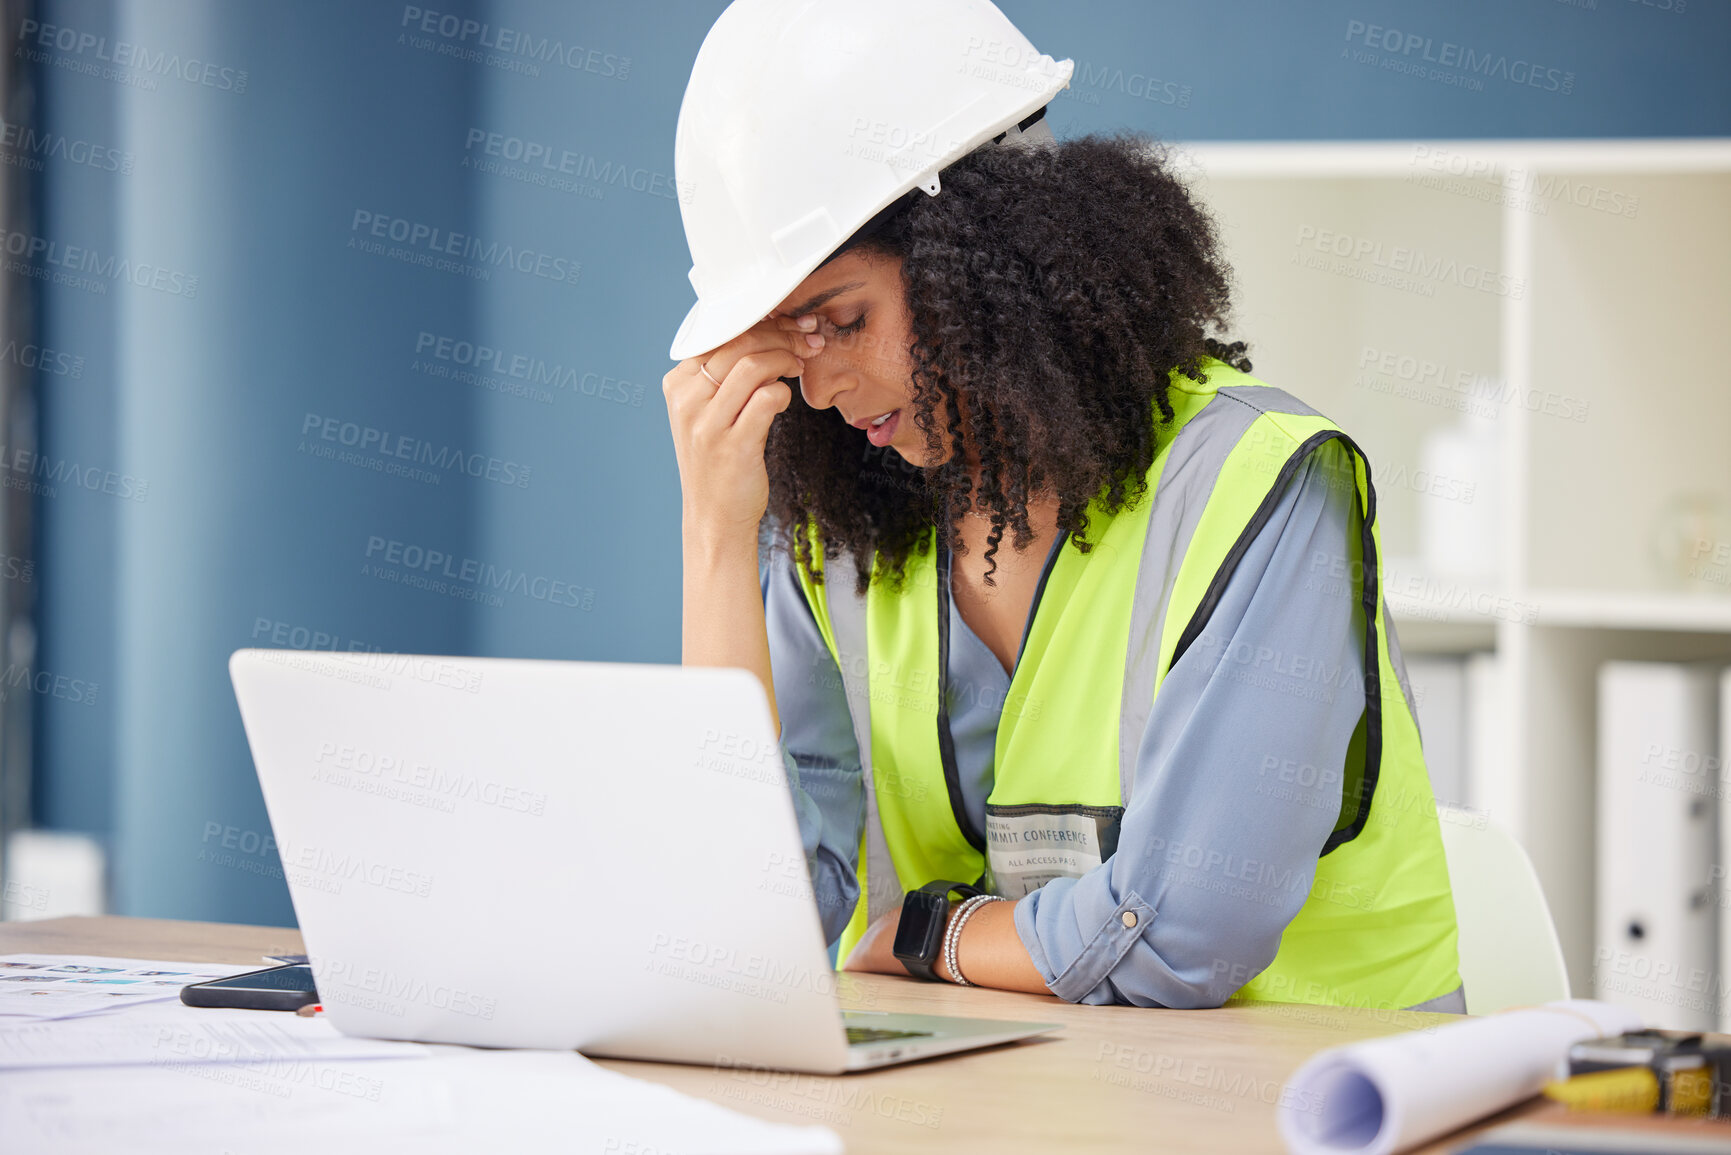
{"points": [[1051, 292]]}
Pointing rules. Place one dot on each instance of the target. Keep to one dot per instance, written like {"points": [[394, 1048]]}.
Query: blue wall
{"points": [[234, 520]]}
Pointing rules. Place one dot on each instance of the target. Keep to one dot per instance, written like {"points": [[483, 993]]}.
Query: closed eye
{"points": [[853, 326]]}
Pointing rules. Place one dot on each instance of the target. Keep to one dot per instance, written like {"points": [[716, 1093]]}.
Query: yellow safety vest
{"points": [[1378, 926]]}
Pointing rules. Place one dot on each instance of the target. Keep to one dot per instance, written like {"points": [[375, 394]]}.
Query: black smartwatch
{"points": [[920, 934]]}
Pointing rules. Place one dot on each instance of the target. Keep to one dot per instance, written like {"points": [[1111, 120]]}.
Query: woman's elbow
{"points": [[1143, 978]]}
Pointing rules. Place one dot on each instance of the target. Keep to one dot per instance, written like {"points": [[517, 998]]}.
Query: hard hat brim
{"points": [[705, 328]]}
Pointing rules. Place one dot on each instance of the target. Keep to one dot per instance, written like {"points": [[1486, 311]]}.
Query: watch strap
{"points": [[925, 903]]}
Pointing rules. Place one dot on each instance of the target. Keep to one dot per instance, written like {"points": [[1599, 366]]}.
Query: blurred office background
{"points": [[342, 325]]}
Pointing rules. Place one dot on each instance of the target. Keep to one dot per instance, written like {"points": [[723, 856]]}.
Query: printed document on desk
{"points": [[172, 1034], [460, 1100], [46, 986]]}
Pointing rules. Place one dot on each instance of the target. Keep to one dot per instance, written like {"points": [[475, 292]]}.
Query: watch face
{"points": [[920, 933]]}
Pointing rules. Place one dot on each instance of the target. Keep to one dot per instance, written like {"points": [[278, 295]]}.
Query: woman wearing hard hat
{"points": [[1073, 628]]}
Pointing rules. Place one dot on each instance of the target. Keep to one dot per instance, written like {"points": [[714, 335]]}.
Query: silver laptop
{"points": [[587, 855]]}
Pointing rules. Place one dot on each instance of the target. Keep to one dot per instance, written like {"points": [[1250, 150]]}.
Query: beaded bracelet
{"points": [[953, 933]]}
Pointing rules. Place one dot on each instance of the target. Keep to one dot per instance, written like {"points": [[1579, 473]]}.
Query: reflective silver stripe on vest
{"points": [[847, 622], [1283, 402], [1453, 1003], [1394, 656], [1193, 465]]}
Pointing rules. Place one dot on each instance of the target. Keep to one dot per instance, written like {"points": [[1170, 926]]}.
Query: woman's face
{"points": [[864, 369]]}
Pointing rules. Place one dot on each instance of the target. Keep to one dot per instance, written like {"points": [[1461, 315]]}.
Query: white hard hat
{"points": [[804, 118]]}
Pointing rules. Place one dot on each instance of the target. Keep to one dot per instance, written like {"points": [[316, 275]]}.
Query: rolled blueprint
{"points": [[1386, 1095]]}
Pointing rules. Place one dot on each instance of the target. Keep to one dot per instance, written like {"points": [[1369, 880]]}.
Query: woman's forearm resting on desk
{"points": [[989, 951]]}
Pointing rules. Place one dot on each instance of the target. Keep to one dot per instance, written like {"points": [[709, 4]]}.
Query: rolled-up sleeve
{"points": [[1238, 776], [817, 743]]}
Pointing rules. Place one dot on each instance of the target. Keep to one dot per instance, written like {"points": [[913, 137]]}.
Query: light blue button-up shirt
{"points": [[1220, 837]]}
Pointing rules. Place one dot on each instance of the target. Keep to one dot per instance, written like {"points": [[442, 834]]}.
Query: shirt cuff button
{"points": [[1128, 918]]}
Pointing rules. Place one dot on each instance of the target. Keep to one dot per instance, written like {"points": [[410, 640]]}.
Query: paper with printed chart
{"points": [[47, 986]]}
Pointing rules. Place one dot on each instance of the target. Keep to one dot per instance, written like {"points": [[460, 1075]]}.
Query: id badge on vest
{"points": [[1028, 846]]}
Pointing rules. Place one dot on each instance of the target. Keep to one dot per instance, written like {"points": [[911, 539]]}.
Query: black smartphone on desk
{"points": [[284, 988]]}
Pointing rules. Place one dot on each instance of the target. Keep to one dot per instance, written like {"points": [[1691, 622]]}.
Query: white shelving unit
{"points": [[1532, 341]]}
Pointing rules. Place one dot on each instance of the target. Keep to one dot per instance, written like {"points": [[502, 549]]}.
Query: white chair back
{"points": [[1510, 955]]}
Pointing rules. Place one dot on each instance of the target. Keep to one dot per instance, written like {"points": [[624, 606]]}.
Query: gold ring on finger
{"points": [[704, 369]]}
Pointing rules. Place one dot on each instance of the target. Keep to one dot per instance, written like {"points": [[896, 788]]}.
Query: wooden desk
{"points": [[1114, 1079]]}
